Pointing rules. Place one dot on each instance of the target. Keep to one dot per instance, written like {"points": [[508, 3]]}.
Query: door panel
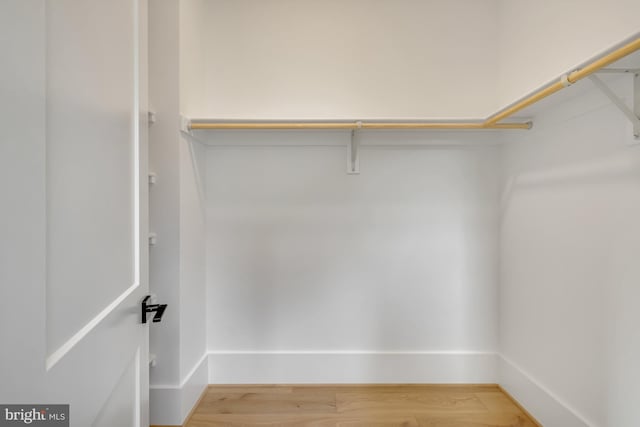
{"points": [[74, 257], [92, 216]]}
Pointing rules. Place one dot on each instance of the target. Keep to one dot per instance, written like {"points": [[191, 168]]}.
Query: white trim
{"points": [[186, 379], [171, 404], [164, 406], [62, 351], [546, 406], [57, 355], [137, 407], [136, 144], [399, 352]]}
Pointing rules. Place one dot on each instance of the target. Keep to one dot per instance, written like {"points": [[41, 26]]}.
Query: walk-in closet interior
{"points": [[340, 192], [399, 192], [337, 205]]}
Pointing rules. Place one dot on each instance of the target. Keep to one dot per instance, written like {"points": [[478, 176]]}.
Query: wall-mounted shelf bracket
{"points": [[353, 153], [632, 113]]}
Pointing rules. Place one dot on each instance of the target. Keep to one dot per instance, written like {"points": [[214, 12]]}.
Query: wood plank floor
{"points": [[357, 406]]}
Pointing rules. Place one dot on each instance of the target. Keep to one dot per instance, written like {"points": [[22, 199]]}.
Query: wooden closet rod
{"points": [[219, 125], [490, 123], [567, 80]]}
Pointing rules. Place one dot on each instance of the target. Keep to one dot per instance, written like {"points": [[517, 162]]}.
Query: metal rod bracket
{"points": [[353, 153], [633, 114]]}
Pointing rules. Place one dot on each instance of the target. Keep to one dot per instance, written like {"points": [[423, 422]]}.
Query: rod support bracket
{"points": [[632, 113], [353, 152]]}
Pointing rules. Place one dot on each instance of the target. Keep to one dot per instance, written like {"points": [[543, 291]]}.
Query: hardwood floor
{"points": [[358, 406]]}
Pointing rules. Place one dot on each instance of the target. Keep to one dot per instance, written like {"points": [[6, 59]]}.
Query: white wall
{"points": [[192, 285], [354, 59], [377, 59], [304, 258], [542, 40], [306, 263], [177, 266], [193, 47], [192, 173], [569, 275], [164, 196]]}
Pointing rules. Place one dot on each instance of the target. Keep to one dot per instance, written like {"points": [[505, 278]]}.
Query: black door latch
{"points": [[151, 308]]}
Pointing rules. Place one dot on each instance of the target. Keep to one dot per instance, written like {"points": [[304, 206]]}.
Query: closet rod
{"points": [[567, 80], [201, 124]]}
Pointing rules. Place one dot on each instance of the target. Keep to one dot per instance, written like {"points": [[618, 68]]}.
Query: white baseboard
{"points": [[164, 406], [540, 402], [229, 367], [170, 405]]}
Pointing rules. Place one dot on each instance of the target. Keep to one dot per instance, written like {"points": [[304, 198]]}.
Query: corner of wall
{"points": [[180, 342], [171, 405], [548, 409]]}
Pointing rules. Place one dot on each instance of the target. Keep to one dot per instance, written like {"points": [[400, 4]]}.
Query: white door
{"points": [[73, 206]]}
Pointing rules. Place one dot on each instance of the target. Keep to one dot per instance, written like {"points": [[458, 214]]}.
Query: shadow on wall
{"points": [[611, 170]]}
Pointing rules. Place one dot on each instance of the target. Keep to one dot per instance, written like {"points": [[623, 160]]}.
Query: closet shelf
{"points": [[204, 124], [493, 122]]}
